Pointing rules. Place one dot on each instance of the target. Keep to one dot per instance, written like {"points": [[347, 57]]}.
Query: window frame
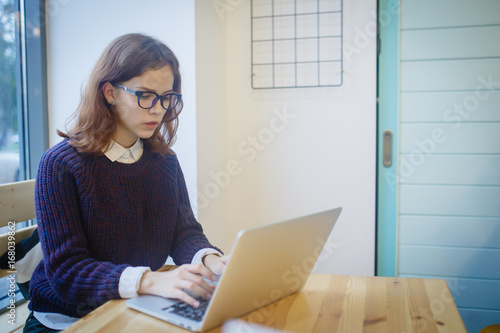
{"points": [[32, 92]]}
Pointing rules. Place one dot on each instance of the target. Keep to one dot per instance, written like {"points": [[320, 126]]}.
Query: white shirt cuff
{"points": [[130, 281], [203, 252]]}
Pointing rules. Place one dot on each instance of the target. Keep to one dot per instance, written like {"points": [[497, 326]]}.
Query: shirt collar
{"points": [[117, 151]]}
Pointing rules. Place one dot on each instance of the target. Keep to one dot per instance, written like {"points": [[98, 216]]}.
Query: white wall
{"points": [[320, 158], [77, 33], [211, 99]]}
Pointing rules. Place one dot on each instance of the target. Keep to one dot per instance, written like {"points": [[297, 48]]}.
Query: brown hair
{"points": [[126, 57]]}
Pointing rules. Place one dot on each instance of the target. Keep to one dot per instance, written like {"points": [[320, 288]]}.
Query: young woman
{"points": [[110, 199]]}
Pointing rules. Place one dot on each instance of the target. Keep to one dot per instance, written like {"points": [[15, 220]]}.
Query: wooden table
{"points": [[327, 303]]}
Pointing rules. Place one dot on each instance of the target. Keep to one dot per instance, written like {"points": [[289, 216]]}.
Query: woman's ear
{"points": [[109, 93]]}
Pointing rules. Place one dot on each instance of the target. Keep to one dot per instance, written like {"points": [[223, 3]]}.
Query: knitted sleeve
{"points": [[72, 273], [189, 237]]}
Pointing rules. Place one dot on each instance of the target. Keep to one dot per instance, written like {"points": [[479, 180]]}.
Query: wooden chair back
{"points": [[16, 205]]}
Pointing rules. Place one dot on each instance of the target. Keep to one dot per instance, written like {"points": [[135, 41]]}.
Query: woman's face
{"points": [[133, 121]]}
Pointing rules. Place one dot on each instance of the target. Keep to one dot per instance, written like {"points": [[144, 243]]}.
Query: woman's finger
{"points": [[216, 264], [206, 293], [200, 269], [185, 297], [196, 283]]}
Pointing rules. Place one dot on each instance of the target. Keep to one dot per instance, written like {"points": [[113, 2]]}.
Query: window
{"points": [[23, 101], [23, 98], [9, 129]]}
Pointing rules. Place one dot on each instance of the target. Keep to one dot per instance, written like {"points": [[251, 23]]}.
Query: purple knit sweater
{"points": [[97, 217]]}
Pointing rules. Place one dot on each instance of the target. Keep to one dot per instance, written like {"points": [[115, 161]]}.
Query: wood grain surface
{"points": [[327, 303]]}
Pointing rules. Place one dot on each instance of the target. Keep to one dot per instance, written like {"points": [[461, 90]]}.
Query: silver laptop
{"points": [[267, 263]]}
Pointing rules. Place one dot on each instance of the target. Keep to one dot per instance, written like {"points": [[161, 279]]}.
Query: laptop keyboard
{"points": [[186, 310]]}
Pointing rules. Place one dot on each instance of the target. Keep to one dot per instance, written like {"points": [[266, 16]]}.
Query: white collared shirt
{"points": [[118, 153], [130, 279]]}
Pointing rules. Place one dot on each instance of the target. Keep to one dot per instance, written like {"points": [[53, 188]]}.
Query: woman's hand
{"points": [[215, 263], [173, 283]]}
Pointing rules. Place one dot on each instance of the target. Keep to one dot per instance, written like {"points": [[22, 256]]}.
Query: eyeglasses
{"points": [[148, 99]]}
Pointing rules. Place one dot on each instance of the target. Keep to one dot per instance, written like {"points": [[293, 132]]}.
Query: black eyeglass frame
{"points": [[161, 98]]}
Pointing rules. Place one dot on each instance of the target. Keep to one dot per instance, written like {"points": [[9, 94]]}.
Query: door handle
{"points": [[387, 153]]}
